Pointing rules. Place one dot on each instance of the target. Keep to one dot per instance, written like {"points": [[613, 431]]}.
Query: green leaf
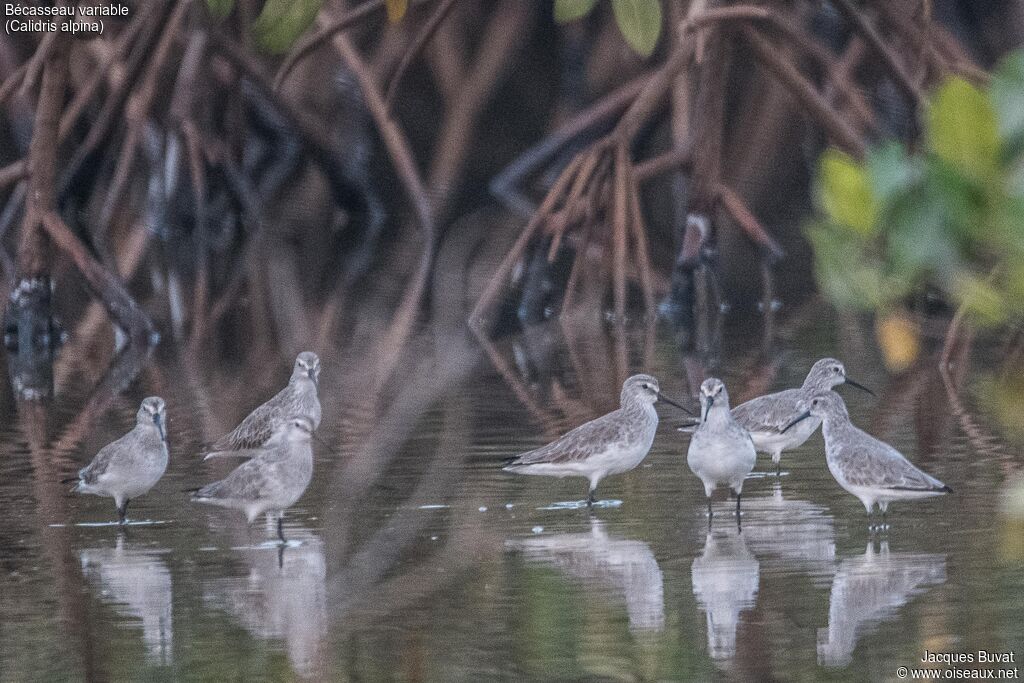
{"points": [[282, 21], [843, 271], [569, 10], [640, 23], [1008, 94], [962, 128], [845, 193], [220, 8], [892, 174], [983, 301]]}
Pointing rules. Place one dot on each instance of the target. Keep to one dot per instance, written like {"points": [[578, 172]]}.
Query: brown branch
{"points": [[34, 249], [745, 219], [107, 288], [674, 159], [709, 119], [477, 318], [620, 227], [101, 71], [838, 128], [154, 16], [792, 34], [501, 38], [136, 113], [876, 43], [504, 185], [314, 40], [636, 220], [409, 176], [12, 82], [13, 172], [417, 44], [46, 47]]}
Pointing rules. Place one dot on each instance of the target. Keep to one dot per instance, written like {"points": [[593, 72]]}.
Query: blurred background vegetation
{"points": [[211, 167]]}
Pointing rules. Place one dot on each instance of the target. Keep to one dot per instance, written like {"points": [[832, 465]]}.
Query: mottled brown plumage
{"points": [[298, 398]]}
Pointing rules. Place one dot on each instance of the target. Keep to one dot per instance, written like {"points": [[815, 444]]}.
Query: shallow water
{"points": [[414, 557]]}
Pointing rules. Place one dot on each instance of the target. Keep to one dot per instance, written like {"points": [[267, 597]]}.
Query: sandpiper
{"points": [[299, 398], [132, 465], [765, 416], [721, 451], [273, 480], [868, 468], [611, 444]]}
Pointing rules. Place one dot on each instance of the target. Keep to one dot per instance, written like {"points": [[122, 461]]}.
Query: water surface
{"points": [[414, 557]]}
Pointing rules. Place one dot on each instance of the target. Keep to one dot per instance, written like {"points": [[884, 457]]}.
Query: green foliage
{"points": [[281, 22], [220, 8], [949, 218], [639, 21], [569, 10], [962, 129]]}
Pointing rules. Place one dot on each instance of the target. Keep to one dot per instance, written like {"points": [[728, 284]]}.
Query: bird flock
{"points": [[724, 442], [274, 439], [275, 442]]}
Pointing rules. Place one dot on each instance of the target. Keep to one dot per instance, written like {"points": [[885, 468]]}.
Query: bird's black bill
{"points": [[799, 419], [666, 399], [158, 420], [858, 385]]}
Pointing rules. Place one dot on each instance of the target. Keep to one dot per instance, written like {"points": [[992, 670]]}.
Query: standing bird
{"points": [[721, 451], [132, 465], [611, 444], [298, 398], [766, 416], [273, 480], [868, 468]]}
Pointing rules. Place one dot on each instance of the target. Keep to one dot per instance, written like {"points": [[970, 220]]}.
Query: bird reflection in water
{"points": [[622, 567], [725, 581], [869, 589], [137, 584], [281, 598], [791, 535]]}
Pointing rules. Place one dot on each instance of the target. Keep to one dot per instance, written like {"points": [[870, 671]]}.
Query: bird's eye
{"points": [[645, 385]]}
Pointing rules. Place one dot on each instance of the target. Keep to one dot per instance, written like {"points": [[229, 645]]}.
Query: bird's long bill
{"points": [[158, 420], [858, 385], [799, 419], [705, 406], [670, 401]]}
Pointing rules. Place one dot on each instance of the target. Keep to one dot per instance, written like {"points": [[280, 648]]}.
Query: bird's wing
{"points": [[770, 413], [249, 481], [576, 445], [107, 456], [255, 429], [879, 465]]}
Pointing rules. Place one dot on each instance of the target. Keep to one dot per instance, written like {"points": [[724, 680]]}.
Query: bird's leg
{"points": [[591, 499], [778, 468], [280, 556], [122, 513], [709, 509], [280, 528], [737, 506]]}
